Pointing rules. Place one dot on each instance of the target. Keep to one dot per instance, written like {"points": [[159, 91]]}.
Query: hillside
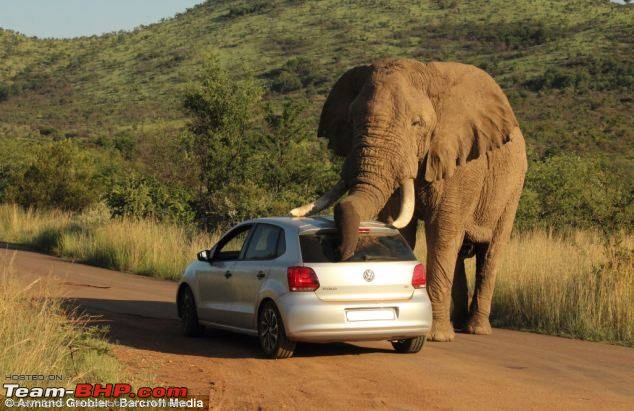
{"points": [[566, 65]]}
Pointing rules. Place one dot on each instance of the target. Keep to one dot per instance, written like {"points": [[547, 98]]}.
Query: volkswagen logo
{"points": [[368, 275]]}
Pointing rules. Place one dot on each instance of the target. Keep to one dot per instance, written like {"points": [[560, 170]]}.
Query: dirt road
{"points": [[507, 369]]}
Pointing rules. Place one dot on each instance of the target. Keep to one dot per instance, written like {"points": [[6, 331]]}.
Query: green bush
{"points": [[286, 82], [512, 35], [447, 4], [295, 74], [571, 191], [255, 7], [144, 197], [586, 72], [127, 146], [57, 174]]}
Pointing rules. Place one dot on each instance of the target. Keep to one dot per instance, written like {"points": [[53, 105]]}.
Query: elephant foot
{"points": [[441, 330], [478, 325]]}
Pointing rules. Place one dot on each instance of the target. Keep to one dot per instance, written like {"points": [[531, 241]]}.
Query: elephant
{"points": [[436, 142]]}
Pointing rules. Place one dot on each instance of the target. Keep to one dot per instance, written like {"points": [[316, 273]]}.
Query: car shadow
{"points": [[153, 325]]}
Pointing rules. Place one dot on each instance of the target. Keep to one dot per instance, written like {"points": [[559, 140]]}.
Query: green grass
{"points": [[93, 86], [579, 284]]}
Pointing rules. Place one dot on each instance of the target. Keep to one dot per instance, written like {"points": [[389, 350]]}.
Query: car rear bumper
{"points": [[307, 318]]}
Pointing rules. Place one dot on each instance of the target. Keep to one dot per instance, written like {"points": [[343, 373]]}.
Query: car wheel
{"points": [[409, 345], [272, 335], [189, 315]]}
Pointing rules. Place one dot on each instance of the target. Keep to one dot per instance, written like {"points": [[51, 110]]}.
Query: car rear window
{"points": [[324, 248]]}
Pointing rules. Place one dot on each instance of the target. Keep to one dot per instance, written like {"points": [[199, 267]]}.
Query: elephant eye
{"points": [[417, 121]]}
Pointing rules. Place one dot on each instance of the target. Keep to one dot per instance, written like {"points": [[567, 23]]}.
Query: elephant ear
{"points": [[474, 116], [334, 123]]}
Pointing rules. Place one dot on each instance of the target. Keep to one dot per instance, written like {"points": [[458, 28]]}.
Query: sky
{"points": [[74, 18]]}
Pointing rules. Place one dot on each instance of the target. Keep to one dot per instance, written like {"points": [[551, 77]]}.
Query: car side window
{"points": [[230, 246], [265, 243]]}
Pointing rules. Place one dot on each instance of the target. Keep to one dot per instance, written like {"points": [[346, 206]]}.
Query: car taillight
{"points": [[302, 279], [419, 278]]}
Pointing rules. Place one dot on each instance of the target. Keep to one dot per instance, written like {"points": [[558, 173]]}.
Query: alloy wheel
{"points": [[269, 330]]}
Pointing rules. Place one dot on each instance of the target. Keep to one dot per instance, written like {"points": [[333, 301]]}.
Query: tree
{"points": [[223, 114], [252, 159]]}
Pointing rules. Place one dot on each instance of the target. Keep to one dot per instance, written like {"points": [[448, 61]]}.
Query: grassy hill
{"points": [[117, 100], [566, 65], [97, 126]]}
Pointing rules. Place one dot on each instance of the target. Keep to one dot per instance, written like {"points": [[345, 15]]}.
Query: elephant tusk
{"points": [[407, 204], [322, 202]]}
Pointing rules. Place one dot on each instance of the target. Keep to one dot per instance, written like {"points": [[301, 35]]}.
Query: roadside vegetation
{"points": [[38, 335], [134, 150], [578, 284], [125, 244]]}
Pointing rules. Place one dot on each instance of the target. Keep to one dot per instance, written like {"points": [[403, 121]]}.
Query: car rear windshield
{"points": [[323, 247]]}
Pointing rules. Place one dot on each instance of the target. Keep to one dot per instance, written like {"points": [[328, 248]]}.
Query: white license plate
{"points": [[371, 314]]}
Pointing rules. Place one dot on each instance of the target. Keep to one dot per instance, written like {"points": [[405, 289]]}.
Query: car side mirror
{"points": [[204, 255]]}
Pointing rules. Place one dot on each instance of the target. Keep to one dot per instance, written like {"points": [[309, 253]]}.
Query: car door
{"points": [[214, 281], [250, 272]]}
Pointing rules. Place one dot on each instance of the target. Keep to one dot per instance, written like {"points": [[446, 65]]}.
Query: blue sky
{"points": [[73, 18]]}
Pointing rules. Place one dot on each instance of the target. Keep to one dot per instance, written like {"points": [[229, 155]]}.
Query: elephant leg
{"points": [[488, 258], [460, 296], [479, 325], [441, 263]]}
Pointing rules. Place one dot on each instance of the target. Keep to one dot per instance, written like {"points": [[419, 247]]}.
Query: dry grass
{"points": [[579, 284], [38, 336], [141, 247]]}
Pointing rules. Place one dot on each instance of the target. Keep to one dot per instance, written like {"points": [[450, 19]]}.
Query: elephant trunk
{"points": [[378, 165]]}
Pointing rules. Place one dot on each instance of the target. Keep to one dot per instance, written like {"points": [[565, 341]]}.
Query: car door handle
{"points": [[261, 275], [228, 274]]}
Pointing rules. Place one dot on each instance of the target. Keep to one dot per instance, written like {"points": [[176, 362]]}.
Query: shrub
{"points": [[570, 191], [582, 72], [255, 7], [57, 174], [126, 145], [286, 81], [295, 74], [447, 4], [143, 197]]}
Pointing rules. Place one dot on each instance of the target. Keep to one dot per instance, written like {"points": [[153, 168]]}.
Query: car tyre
{"points": [[189, 314], [272, 334], [409, 345]]}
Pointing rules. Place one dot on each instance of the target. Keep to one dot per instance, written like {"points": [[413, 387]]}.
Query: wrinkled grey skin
{"points": [[449, 127]]}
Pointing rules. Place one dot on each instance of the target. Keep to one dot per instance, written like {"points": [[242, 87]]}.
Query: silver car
{"points": [[281, 279]]}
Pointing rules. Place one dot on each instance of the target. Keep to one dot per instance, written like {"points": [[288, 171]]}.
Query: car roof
{"points": [[303, 224]]}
